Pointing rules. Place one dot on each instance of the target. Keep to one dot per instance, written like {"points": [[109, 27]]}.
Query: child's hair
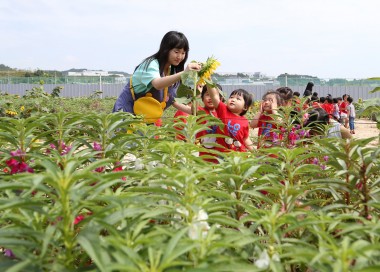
{"points": [[315, 94], [335, 100], [329, 99], [322, 99], [345, 95], [296, 94], [286, 94], [248, 99], [280, 100], [204, 90], [350, 99], [318, 118], [171, 40], [339, 98], [314, 98]]}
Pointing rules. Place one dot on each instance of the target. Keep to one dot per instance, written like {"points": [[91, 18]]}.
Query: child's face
{"points": [[207, 101], [269, 103], [236, 104]]}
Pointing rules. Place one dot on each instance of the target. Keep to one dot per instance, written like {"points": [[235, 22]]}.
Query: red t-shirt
{"points": [[236, 127], [208, 142], [329, 108], [179, 127], [266, 132], [343, 107]]}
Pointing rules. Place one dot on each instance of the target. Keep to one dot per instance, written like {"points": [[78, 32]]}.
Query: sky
{"points": [[322, 38]]}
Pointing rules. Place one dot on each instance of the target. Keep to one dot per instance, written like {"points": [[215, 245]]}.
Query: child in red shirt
{"points": [[236, 126], [264, 120]]}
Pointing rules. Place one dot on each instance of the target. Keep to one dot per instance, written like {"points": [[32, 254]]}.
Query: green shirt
{"points": [[143, 76]]}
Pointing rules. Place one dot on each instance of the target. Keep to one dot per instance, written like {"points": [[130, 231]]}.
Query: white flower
{"points": [[263, 261], [138, 164], [199, 226], [151, 165], [183, 211], [198, 230], [201, 216]]}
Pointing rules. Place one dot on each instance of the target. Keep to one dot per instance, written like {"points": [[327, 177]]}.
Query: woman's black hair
{"points": [[248, 99], [171, 40], [318, 119], [309, 89]]}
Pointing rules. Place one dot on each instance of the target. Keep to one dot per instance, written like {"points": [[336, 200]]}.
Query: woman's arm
{"points": [[166, 81]]}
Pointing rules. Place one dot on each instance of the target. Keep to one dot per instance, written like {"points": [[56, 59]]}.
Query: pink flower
{"points": [[100, 169], [17, 153], [326, 158], [9, 253], [302, 133], [97, 146], [78, 219], [52, 146]]}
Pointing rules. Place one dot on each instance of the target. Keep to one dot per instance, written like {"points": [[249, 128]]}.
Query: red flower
{"points": [[158, 123], [119, 168], [78, 219], [18, 167]]}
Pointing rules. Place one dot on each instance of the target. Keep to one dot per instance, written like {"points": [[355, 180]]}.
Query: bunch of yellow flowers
{"points": [[208, 68], [11, 112]]}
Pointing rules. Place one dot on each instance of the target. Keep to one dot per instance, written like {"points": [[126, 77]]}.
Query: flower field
{"points": [[90, 191]]}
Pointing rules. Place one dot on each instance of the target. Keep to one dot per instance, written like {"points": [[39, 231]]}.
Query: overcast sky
{"points": [[323, 38]]}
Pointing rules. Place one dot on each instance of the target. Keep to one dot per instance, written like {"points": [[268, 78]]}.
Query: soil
{"points": [[365, 128]]}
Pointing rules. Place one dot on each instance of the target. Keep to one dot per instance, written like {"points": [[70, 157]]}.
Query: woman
{"points": [[309, 89], [158, 76], [319, 118]]}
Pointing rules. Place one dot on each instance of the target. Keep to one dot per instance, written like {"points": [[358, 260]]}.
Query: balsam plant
{"points": [[105, 192]]}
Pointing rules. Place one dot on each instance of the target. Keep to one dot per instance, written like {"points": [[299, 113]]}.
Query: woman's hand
{"points": [[193, 66]]}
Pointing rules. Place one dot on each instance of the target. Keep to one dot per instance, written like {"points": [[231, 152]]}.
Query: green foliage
{"points": [[105, 192]]}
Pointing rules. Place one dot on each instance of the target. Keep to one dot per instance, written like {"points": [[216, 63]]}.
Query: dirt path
{"points": [[365, 128]]}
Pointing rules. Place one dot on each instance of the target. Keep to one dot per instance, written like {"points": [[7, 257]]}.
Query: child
{"points": [[328, 105], [264, 118], [336, 114], [343, 110], [181, 115], [209, 109], [236, 126], [182, 111], [351, 114]]}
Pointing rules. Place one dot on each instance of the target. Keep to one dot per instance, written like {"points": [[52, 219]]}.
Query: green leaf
{"points": [[189, 78], [184, 91], [376, 89]]}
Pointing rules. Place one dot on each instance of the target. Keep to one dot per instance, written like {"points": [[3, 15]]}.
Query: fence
{"points": [[113, 90]]}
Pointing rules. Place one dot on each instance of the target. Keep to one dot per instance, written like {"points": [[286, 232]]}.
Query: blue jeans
{"points": [[351, 122]]}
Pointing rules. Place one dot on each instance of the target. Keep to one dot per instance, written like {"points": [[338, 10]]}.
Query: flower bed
{"points": [[104, 192]]}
